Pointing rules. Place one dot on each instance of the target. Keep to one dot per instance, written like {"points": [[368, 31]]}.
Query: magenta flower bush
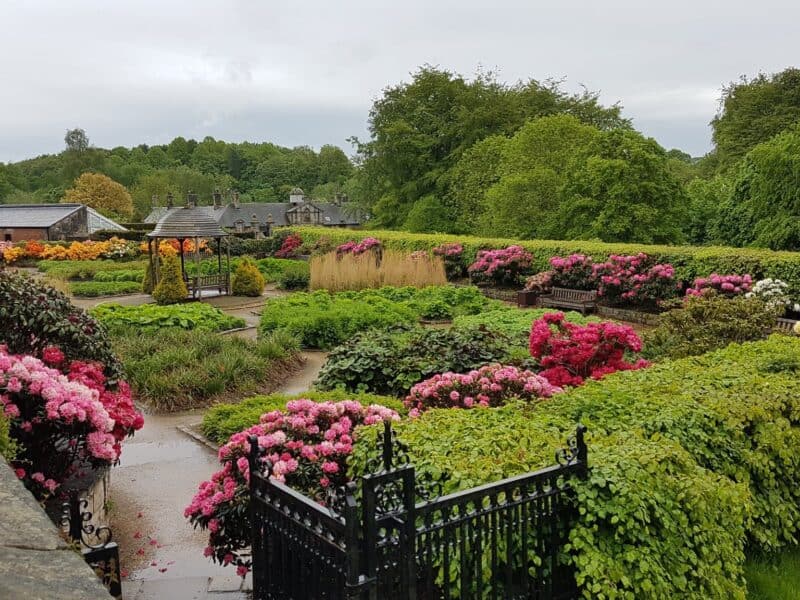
{"points": [[453, 256], [635, 281], [62, 421], [502, 267], [574, 272], [492, 385], [569, 353], [357, 248], [307, 446], [727, 285]]}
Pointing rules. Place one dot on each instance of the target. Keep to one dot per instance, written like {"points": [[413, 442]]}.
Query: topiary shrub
{"points": [[171, 287], [147, 282], [34, 316], [247, 279], [708, 322]]}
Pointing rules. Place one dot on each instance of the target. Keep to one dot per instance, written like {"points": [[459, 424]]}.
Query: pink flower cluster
{"points": [[729, 285], [635, 281], [62, 419], [449, 250], [491, 385], [289, 246], [502, 266], [307, 446], [575, 272], [356, 248], [570, 353]]}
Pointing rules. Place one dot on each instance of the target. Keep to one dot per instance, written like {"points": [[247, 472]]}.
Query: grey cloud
{"points": [[306, 72]]}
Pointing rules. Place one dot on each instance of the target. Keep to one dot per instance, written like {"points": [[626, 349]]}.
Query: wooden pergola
{"points": [[191, 223]]}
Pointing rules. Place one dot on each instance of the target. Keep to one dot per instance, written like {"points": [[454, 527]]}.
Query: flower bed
{"points": [[307, 445]]}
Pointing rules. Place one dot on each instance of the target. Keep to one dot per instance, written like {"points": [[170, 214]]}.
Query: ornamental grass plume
{"points": [[338, 273], [570, 353], [492, 385], [306, 446]]}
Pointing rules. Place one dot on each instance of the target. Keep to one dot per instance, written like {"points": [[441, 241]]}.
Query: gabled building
{"points": [[258, 216], [51, 222]]}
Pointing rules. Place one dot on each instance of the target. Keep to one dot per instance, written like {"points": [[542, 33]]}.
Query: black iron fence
{"points": [[95, 543], [397, 538]]}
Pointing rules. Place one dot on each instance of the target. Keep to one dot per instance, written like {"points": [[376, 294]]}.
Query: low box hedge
{"points": [[689, 261], [692, 461], [93, 289], [152, 317]]}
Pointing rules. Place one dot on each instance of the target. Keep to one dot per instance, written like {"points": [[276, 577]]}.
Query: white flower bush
{"points": [[775, 293]]}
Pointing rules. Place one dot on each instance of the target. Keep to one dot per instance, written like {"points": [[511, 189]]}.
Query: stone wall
{"points": [[35, 562]]}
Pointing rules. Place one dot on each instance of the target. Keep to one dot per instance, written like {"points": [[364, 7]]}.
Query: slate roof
{"points": [[35, 215], [187, 222], [228, 215]]}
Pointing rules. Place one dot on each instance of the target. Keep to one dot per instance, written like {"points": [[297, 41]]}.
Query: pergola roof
{"points": [[187, 222]]}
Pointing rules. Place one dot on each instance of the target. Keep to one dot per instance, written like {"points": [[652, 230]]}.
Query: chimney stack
{"points": [[154, 201], [235, 196], [191, 199], [170, 200], [217, 196]]}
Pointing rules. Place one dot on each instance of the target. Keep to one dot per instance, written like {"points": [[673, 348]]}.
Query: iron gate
{"points": [[400, 539]]}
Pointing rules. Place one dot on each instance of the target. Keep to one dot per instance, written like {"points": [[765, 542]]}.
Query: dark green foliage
{"points": [[754, 110], [132, 275], [390, 362], [87, 269], [706, 323], [152, 317], [430, 214], [247, 280], [34, 316], [7, 446], [691, 460], [147, 280], [223, 420], [175, 369], [93, 289], [171, 287], [295, 275], [773, 576]]}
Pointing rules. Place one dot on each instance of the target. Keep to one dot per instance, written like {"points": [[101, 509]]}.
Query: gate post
{"points": [[257, 536]]}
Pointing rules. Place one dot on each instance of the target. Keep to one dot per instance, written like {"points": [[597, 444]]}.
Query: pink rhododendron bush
{"points": [[727, 285], [63, 416], [453, 255], [492, 385], [570, 353], [574, 271], [358, 248], [306, 447], [636, 281], [502, 267]]}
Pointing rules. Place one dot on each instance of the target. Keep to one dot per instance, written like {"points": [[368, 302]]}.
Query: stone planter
{"points": [[629, 315], [507, 295]]}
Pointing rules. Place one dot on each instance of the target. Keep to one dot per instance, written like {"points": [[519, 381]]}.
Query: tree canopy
{"points": [[102, 194]]}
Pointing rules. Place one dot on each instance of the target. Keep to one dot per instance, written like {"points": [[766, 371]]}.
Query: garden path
{"points": [[160, 470]]}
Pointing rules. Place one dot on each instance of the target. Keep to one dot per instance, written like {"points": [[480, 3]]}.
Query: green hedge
{"points": [[223, 420], [691, 461], [86, 269], [689, 261]]}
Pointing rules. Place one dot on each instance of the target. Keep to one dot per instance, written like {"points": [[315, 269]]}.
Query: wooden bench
{"points": [[197, 283], [785, 325], [582, 300]]}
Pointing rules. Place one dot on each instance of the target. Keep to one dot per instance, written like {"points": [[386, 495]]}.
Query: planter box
{"points": [[527, 298], [626, 314]]}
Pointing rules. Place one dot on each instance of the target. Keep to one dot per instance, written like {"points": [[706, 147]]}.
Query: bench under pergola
{"points": [[191, 222]]}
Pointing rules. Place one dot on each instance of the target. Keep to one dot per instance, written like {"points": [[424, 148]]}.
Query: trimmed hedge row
{"points": [[689, 261], [692, 461]]}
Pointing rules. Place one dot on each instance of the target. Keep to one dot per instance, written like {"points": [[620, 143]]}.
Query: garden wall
{"points": [[35, 562], [689, 261]]}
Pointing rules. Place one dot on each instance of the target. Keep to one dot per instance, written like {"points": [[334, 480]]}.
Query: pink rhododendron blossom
{"points": [[502, 266], [729, 285], [358, 248], [570, 353], [492, 385], [306, 445], [635, 281]]}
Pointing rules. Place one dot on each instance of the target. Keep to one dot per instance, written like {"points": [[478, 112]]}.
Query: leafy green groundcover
{"points": [[87, 269], [323, 320], [512, 322], [223, 420], [774, 577], [151, 317], [691, 461], [93, 289], [689, 261]]}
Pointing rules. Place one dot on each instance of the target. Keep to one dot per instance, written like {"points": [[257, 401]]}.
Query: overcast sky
{"points": [[306, 72]]}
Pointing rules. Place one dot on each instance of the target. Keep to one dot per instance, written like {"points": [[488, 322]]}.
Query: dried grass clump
{"points": [[349, 272]]}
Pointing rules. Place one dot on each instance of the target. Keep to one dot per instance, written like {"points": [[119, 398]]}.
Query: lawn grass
{"points": [[774, 577]]}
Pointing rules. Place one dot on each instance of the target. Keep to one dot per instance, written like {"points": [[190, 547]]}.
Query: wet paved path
{"points": [[161, 467]]}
